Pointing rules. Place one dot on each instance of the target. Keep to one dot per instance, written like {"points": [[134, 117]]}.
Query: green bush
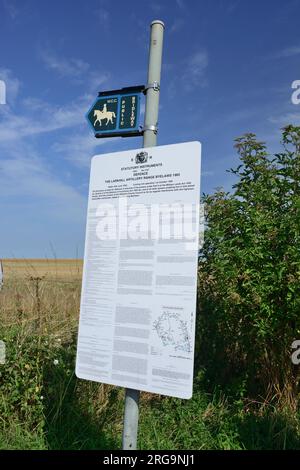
{"points": [[21, 393], [249, 273], [24, 387], [42, 404]]}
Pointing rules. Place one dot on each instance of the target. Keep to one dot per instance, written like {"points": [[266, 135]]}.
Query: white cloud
{"points": [[79, 148], [77, 70], [288, 52], [229, 6], [96, 79], [35, 117], [74, 68], [286, 118], [156, 7], [103, 15], [188, 74], [11, 8], [240, 115], [33, 104], [16, 125], [180, 4], [195, 68], [177, 25], [23, 174], [25, 170], [39, 199]]}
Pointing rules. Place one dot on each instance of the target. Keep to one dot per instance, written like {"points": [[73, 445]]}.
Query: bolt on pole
{"points": [[131, 413]]}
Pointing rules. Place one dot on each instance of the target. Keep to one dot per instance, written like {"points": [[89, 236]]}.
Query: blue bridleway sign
{"points": [[116, 113]]}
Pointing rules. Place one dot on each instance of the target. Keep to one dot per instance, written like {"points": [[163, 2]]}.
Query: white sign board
{"points": [[138, 303]]}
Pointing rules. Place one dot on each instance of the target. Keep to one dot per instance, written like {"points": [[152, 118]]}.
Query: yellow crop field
{"points": [[41, 294], [64, 269]]}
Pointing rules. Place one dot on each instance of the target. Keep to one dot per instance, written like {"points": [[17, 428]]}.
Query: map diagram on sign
{"points": [[173, 331]]}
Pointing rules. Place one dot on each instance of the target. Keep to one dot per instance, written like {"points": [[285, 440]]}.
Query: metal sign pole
{"points": [[131, 413]]}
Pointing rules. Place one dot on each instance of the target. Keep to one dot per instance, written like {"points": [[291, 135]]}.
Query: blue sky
{"points": [[228, 66]]}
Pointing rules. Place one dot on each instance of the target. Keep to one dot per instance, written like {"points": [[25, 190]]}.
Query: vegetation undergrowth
{"points": [[44, 406]]}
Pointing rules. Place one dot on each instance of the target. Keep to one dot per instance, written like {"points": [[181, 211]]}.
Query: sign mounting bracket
{"points": [[150, 128], [123, 91], [155, 85]]}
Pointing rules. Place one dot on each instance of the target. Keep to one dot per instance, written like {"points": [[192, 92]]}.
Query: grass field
{"points": [[63, 269], [44, 406]]}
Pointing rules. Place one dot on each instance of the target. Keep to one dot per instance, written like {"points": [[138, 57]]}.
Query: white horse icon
{"points": [[104, 114]]}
